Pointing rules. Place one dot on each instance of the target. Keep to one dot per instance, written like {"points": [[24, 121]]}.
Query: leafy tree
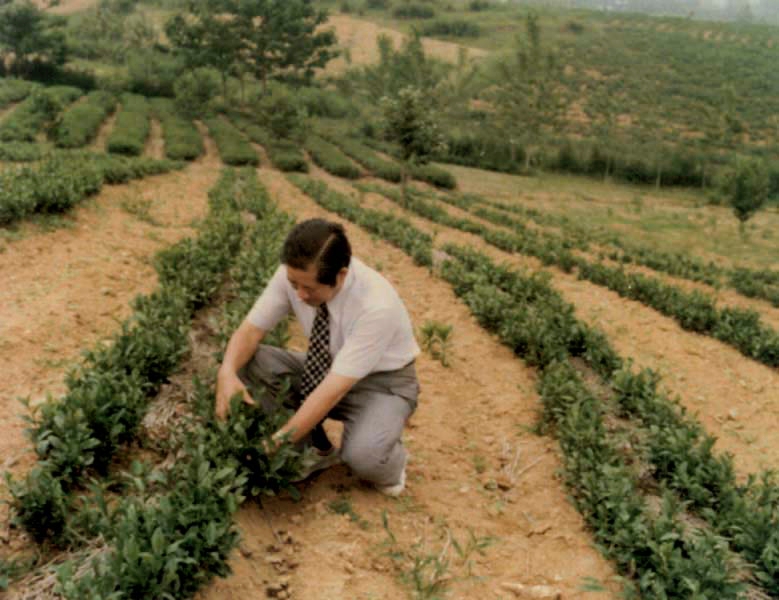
{"points": [[280, 38], [206, 39], [195, 89], [528, 92], [283, 113], [28, 34], [604, 109], [263, 38], [409, 121], [746, 187]]}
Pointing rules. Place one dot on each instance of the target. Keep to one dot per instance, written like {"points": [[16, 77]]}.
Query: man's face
{"points": [[309, 290]]}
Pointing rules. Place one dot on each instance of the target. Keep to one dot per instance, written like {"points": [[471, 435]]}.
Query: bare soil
{"points": [[359, 38]]}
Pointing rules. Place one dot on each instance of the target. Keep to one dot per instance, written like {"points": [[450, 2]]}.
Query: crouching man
{"points": [[359, 366]]}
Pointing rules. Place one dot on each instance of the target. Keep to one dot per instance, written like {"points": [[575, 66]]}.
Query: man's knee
{"points": [[369, 458]]}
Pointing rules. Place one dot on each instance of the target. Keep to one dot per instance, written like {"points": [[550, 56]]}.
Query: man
{"points": [[359, 367]]}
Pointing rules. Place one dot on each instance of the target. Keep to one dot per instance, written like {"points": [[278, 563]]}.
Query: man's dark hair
{"points": [[320, 243]]}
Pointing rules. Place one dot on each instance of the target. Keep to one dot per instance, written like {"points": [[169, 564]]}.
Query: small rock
{"points": [[464, 489], [504, 482], [732, 414], [296, 519]]}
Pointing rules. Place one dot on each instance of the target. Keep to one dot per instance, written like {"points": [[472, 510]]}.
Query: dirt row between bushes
{"points": [[731, 394], [67, 288], [477, 478]]}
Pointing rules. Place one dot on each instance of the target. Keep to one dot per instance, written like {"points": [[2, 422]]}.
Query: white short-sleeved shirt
{"points": [[370, 329]]}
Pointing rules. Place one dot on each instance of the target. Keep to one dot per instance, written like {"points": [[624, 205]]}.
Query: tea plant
{"points": [[331, 158], [233, 147], [80, 124], [131, 127], [182, 138]]}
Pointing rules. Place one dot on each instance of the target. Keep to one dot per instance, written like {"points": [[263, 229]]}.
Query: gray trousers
{"points": [[373, 412]]}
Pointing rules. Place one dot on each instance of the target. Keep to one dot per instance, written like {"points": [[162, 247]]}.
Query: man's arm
{"points": [[241, 347], [319, 402]]}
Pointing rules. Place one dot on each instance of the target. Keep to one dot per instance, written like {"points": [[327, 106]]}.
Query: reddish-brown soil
{"points": [[358, 41]]}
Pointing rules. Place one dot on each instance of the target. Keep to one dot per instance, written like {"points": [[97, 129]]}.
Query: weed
{"points": [[140, 208], [479, 463], [436, 339], [428, 571], [343, 506]]}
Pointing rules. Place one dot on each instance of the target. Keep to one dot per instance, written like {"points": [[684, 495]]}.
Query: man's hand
{"points": [[228, 384]]}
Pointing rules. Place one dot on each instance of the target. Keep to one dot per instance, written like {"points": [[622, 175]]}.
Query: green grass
{"points": [[669, 220]]}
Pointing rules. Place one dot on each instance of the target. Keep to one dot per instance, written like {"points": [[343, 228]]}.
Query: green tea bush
{"points": [[79, 125], [363, 155], [434, 175], [22, 151], [320, 102], [330, 158], [413, 11], [455, 28], [532, 319], [182, 138], [284, 154], [483, 152], [233, 147], [195, 89], [131, 127], [14, 90], [38, 110]]}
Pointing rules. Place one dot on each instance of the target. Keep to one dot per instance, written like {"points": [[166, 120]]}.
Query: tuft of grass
{"points": [[140, 208], [436, 339]]}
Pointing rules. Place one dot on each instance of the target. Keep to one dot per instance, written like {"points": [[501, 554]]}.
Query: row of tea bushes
{"points": [[14, 90], [131, 127], [694, 311], [233, 146], [61, 180], [330, 158], [28, 119], [79, 124], [22, 151], [182, 139], [284, 155], [427, 173], [367, 158]]}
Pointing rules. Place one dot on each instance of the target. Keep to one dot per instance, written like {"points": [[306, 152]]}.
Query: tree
{"points": [[264, 38], [528, 93], [206, 39], [746, 187], [28, 34], [604, 119], [409, 121], [280, 38]]}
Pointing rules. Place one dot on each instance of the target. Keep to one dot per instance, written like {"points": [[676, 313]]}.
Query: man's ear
{"points": [[341, 277]]}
